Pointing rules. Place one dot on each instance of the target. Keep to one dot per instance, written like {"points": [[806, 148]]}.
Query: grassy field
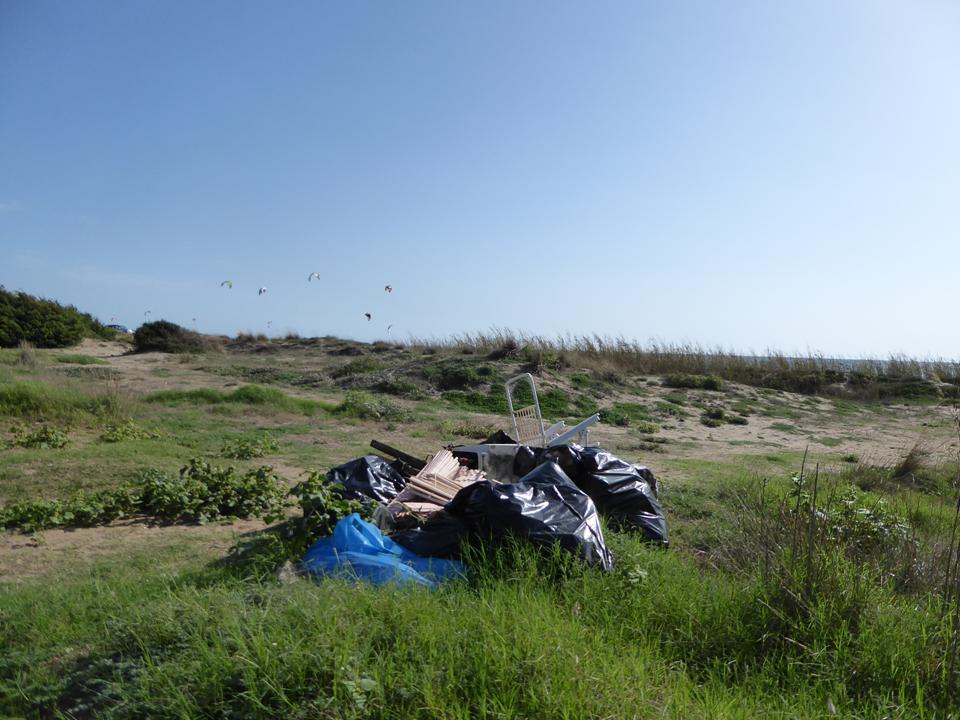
{"points": [[831, 594]]}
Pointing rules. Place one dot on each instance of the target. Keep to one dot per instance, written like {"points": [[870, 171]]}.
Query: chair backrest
{"points": [[528, 426], [527, 421]]}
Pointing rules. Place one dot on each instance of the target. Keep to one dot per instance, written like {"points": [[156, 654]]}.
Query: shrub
{"points": [[45, 323], [696, 382], [168, 337], [458, 375]]}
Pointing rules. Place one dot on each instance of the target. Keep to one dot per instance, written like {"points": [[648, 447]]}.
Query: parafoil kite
{"points": [[261, 291], [313, 275], [368, 316], [228, 283], [388, 288]]}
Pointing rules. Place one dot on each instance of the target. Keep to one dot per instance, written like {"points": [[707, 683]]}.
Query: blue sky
{"points": [[751, 175]]}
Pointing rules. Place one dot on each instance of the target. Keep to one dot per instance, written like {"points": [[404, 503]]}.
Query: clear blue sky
{"points": [[748, 174]]}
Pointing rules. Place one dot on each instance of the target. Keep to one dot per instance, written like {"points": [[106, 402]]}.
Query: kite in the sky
{"points": [[228, 283], [368, 316], [313, 275], [147, 313], [388, 288], [261, 291], [388, 327]]}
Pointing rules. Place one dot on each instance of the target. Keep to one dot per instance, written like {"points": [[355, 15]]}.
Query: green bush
{"points": [[168, 337], [45, 323]]}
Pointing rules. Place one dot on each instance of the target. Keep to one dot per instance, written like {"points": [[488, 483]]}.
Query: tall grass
{"points": [[61, 400], [897, 376]]}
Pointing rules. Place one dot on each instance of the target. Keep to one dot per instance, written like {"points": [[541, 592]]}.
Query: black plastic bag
{"points": [[499, 438], [526, 459], [368, 477], [440, 536], [624, 493], [543, 506]]}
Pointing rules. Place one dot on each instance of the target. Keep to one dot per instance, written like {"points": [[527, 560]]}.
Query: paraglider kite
{"points": [[228, 283], [261, 291]]}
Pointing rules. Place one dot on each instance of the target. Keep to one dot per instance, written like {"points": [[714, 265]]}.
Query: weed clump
{"points": [[127, 430], [364, 406], [247, 449], [322, 505], [361, 366], [43, 438]]}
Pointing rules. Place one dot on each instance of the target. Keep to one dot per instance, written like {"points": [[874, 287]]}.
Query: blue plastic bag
{"points": [[359, 550]]}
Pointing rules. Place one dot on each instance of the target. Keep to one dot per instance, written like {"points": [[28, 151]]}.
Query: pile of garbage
{"points": [[427, 512]]}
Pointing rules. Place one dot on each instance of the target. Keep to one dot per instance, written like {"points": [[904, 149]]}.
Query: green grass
{"points": [[255, 395], [659, 637], [78, 359]]}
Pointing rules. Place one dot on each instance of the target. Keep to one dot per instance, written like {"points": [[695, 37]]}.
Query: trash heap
{"points": [[465, 495]]}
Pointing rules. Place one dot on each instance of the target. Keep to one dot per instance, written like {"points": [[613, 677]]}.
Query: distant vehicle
{"points": [[121, 328]]}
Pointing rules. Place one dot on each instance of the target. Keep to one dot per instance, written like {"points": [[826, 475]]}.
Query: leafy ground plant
{"points": [[127, 430], [203, 492], [44, 437], [322, 504], [199, 493], [247, 449]]}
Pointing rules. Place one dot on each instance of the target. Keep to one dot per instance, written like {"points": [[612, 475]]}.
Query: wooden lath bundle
{"points": [[437, 483]]}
